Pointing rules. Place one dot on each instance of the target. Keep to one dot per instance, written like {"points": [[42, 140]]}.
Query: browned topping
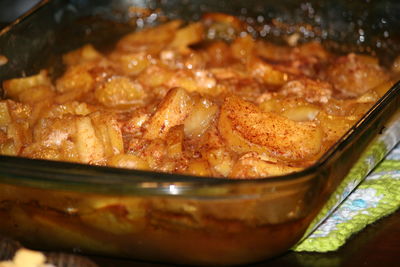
{"points": [[199, 99]]}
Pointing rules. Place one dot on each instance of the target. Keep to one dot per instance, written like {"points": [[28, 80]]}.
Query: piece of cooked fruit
{"points": [[246, 128]]}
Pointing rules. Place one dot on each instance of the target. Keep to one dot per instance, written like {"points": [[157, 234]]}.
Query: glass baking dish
{"points": [[175, 218]]}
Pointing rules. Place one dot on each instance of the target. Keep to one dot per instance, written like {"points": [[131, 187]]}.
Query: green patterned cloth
{"points": [[348, 211]]}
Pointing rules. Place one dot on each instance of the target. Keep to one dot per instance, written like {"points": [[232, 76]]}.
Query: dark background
{"points": [[11, 9]]}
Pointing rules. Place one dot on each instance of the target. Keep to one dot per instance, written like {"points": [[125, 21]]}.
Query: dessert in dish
{"points": [[204, 99]]}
